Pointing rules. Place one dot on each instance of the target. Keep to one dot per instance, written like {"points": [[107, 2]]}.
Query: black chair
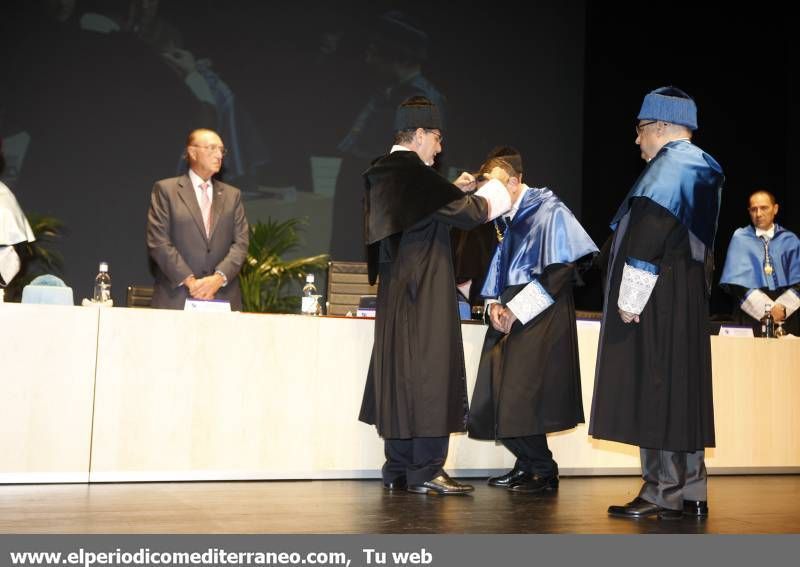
{"points": [[347, 282], [139, 295]]}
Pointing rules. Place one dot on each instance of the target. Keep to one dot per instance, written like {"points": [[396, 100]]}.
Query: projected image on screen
{"points": [[99, 96]]}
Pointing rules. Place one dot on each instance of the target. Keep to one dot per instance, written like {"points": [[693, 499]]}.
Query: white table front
{"points": [[138, 394]]}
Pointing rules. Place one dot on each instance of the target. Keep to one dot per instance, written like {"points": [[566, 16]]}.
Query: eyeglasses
{"points": [[640, 127], [221, 149], [439, 137]]}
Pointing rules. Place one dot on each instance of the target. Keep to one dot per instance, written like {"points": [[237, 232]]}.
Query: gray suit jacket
{"points": [[177, 242]]}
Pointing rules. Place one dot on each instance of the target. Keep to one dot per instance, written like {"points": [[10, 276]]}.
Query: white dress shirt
{"points": [[769, 233]]}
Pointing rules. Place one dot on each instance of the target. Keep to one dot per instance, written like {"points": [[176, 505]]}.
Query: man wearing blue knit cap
{"points": [[653, 372]]}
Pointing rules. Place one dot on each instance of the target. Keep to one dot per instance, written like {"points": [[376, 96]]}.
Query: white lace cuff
{"points": [[528, 303], [790, 300], [755, 302], [498, 197], [637, 285]]}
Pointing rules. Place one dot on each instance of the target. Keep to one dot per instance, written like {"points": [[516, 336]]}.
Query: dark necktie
{"points": [[501, 225]]}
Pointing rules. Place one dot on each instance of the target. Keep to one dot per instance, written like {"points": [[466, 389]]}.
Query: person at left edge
{"points": [[197, 232], [416, 391], [14, 229]]}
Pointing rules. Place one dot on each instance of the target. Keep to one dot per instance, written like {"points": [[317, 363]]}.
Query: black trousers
{"points": [[532, 453], [670, 477], [420, 459]]}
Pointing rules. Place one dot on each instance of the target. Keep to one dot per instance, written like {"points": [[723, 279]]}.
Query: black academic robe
{"points": [[472, 254], [416, 384], [653, 378], [529, 380]]}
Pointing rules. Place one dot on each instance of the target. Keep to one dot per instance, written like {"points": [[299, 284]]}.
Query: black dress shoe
{"points": [[537, 484], [398, 483], [512, 478], [640, 508], [695, 508], [442, 484]]}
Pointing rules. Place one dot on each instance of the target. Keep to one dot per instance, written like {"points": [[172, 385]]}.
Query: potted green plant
{"points": [[267, 279]]}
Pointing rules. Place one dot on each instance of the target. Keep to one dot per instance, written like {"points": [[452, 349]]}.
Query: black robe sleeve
{"points": [[465, 213], [649, 226]]}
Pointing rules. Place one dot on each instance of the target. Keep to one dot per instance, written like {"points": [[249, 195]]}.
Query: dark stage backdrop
{"points": [[98, 96]]}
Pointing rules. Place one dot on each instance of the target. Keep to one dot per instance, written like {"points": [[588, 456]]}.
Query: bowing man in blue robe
{"points": [[529, 381], [653, 373], [762, 268]]}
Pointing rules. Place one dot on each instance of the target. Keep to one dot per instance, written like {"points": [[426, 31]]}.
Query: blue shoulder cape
{"points": [[744, 264], [543, 232], [687, 182]]}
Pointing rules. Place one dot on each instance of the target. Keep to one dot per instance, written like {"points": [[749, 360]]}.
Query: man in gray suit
{"points": [[197, 232]]}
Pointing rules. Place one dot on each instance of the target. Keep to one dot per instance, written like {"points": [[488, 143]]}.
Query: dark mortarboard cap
{"points": [[508, 154], [669, 104], [417, 112]]}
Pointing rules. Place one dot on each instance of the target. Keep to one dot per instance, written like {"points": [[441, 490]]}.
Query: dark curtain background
{"points": [[736, 64]]}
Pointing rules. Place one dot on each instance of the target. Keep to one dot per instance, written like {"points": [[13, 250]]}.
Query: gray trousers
{"points": [[671, 477]]}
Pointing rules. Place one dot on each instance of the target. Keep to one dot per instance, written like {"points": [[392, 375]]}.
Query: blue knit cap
{"points": [[671, 105]]}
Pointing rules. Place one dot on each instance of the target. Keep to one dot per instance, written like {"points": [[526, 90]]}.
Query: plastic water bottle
{"points": [[102, 284], [310, 301], [768, 323]]}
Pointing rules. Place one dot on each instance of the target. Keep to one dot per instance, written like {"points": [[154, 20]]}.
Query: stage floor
{"points": [[738, 504]]}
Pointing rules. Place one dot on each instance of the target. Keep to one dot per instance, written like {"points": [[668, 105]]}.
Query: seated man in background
{"points": [[762, 267]]}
